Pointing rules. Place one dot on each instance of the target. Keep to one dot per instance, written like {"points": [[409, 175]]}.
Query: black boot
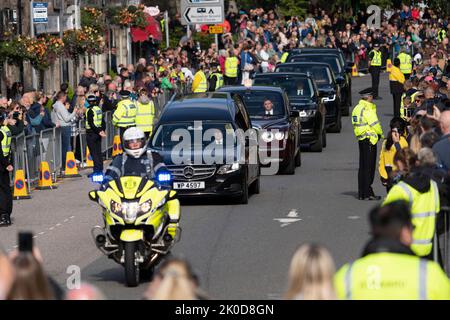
{"points": [[4, 220]]}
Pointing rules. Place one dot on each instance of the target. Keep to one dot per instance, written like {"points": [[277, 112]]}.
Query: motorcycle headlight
{"points": [[228, 168], [267, 136], [146, 206], [279, 135], [130, 210], [116, 207]]}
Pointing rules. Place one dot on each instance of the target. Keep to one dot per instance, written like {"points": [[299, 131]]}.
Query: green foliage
{"points": [[294, 7]]}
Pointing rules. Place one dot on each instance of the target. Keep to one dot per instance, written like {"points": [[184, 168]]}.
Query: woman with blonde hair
{"points": [[311, 274]]}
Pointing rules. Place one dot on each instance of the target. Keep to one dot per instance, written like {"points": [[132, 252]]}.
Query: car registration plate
{"points": [[189, 185]]}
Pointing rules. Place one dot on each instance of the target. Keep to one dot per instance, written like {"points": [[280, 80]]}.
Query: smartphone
{"points": [[430, 109], [409, 112], [25, 242], [16, 115]]}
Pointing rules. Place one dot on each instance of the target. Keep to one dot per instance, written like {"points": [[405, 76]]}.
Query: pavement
{"points": [[238, 251]]}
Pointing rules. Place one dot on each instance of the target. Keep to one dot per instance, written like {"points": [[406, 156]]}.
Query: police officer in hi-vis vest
{"points": [[95, 131], [388, 269], [375, 68], [125, 115], [215, 79], [368, 131], [6, 197]]}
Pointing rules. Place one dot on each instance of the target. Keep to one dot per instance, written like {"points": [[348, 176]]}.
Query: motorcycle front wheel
{"points": [[131, 265]]}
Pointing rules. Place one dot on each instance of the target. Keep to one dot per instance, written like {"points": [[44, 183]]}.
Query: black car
{"points": [[325, 50], [303, 96], [197, 137], [280, 131], [327, 85], [339, 70]]}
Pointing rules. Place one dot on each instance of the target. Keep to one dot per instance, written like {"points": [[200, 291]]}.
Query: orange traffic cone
{"points": [[71, 166], [388, 65], [117, 146], [45, 178], [89, 162], [355, 71], [20, 187]]}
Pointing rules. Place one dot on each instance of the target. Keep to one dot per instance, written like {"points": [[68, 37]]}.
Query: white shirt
{"points": [[269, 113], [187, 73]]}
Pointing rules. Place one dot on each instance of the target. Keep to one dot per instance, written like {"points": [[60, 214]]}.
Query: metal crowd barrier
{"points": [[29, 151], [441, 242]]}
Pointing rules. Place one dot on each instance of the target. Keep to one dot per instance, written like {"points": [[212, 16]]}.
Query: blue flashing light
{"points": [[97, 178], [164, 177]]}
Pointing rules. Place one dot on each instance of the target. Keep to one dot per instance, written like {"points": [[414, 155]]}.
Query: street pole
{"points": [[61, 31], [216, 36], [33, 71], [19, 24], [166, 21]]}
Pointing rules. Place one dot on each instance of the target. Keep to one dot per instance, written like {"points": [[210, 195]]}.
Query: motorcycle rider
{"points": [[137, 160]]}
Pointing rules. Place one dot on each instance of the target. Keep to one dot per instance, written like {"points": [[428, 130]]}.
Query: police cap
{"points": [[91, 98], [376, 45], [366, 92], [124, 93]]}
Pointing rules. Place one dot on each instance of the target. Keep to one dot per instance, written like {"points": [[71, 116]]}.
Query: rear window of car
{"points": [[254, 102], [331, 60], [321, 74], [294, 86]]}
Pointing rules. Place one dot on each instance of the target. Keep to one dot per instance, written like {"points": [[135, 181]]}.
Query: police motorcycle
{"points": [[141, 221]]}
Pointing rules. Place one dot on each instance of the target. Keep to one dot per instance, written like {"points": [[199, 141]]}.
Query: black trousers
{"points": [[230, 81], [375, 73], [397, 103], [367, 164], [94, 142], [6, 196]]}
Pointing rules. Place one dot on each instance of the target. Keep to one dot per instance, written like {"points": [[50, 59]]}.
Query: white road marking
{"points": [[291, 218], [34, 237], [16, 246], [66, 220], [353, 217], [274, 296], [72, 217], [58, 225], [51, 228], [41, 233]]}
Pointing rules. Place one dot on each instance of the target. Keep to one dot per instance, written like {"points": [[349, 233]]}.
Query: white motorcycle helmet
{"points": [[134, 142]]}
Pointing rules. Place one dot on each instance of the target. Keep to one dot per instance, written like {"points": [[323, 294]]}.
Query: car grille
{"points": [[191, 172]]}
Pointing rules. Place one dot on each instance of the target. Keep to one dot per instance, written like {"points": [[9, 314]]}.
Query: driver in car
{"points": [[268, 107]]}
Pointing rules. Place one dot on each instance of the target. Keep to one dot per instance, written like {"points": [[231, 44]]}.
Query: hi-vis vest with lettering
{"points": [[376, 59], [365, 122], [6, 141], [125, 114], [97, 117], [424, 208], [391, 276], [231, 67]]}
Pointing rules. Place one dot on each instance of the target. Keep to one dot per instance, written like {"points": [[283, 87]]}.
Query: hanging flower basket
{"points": [[127, 17]]}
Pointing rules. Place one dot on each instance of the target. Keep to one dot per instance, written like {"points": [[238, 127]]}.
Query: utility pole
{"points": [[61, 34], [33, 71], [19, 25]]}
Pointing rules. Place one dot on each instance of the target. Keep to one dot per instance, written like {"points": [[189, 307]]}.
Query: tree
{"points": [[294, 7]]}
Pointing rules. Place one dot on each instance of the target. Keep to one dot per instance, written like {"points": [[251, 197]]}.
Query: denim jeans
{"points": [[65, 143]]}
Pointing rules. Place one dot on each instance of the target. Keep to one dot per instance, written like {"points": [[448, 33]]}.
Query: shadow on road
{"points": [[353, 194]]}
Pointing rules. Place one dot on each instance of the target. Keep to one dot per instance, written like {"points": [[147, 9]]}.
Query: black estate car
{"points": [[303, 96], [327, 85], [196, 136], [279, 129], [340, 72]]}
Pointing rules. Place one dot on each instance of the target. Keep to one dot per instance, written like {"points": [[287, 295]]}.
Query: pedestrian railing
{"points": [[28, 151]]}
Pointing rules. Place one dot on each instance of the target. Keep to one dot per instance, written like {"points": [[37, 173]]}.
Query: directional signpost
{"points": [[202, 12]]}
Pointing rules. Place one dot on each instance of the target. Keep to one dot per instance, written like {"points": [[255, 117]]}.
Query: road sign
{"points": [[215, 29], [40, 12], [202, 11]]}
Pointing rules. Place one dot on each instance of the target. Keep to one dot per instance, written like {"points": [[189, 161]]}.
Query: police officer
{"points": [[368, 131], [215, 79], [145, 113], [422, 195], [125, 115], [200, 83], [388, 269], [95, 131], [6, 197], [231, 69], [375, 68], [137, 160], [405, 63]]}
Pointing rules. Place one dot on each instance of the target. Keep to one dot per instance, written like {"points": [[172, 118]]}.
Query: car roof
{"points": [[254, 88], [314, 63], [210, 106], [316, 49], [277, 74]]}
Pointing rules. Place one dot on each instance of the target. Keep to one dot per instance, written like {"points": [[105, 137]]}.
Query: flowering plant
{"points": [[131, 16], [86, 40]]}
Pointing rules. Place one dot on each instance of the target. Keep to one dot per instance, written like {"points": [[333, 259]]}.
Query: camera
{"points": [[16, 115]]}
